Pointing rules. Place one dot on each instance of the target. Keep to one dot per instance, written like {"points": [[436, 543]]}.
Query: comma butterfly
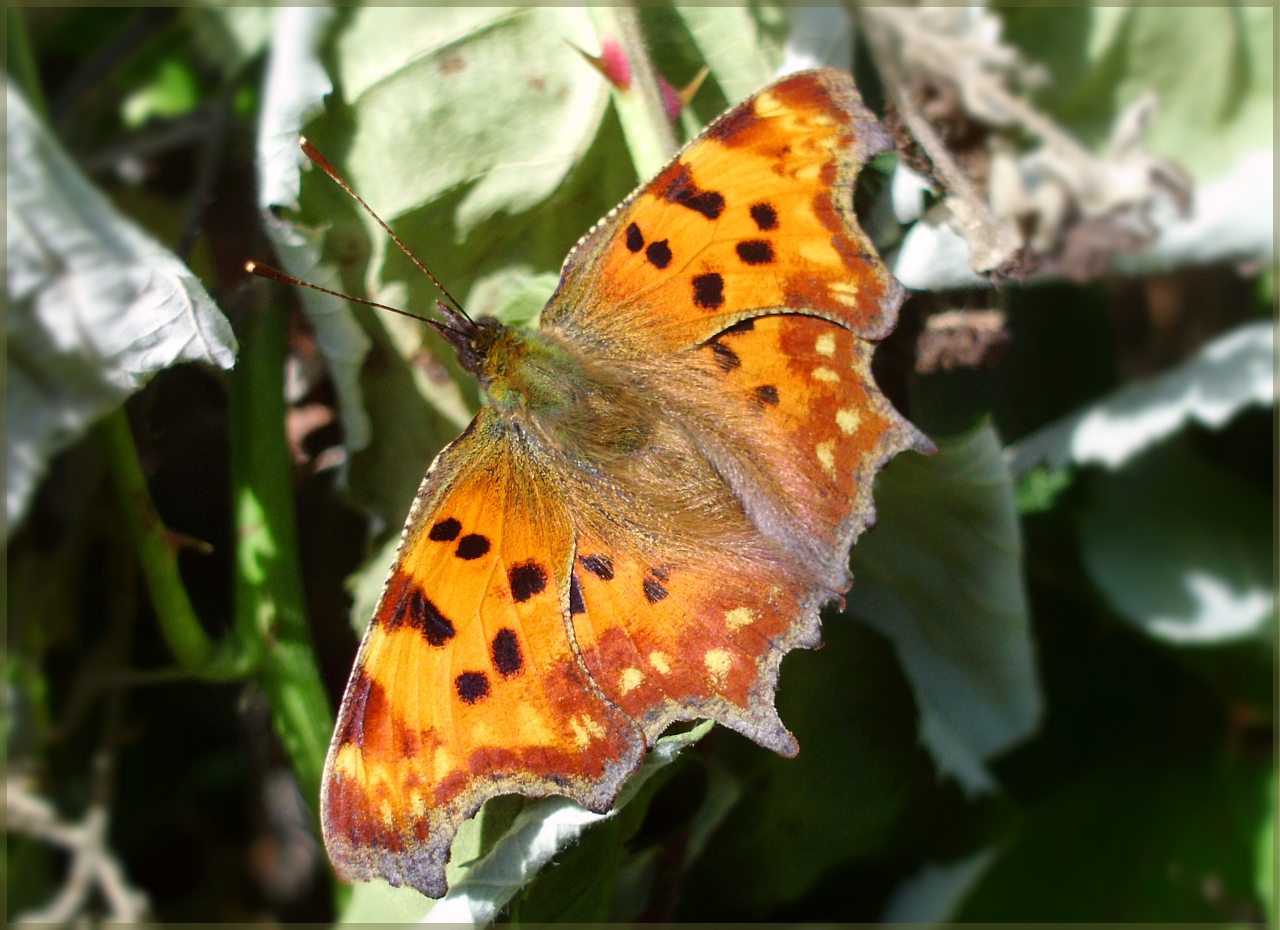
{"points": [[656, 503]]}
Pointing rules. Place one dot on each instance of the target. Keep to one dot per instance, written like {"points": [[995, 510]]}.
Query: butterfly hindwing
{"points": [[466, 685]]}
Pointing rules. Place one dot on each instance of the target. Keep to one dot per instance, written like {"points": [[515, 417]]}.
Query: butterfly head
{"points": [[519, 370], [472, 340]]}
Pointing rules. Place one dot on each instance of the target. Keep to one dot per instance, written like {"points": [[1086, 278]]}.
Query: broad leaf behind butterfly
{"points": [[655, 506]]}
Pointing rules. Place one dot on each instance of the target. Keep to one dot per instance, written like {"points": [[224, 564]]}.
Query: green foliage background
{"points": [[995, 729]]}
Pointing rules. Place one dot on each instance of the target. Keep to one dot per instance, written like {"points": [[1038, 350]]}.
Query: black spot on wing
{"points": [[505, 650], [683, 191], [654, 590], [726, 358], [708, 291], [445, 531], [635, 239], [767, 394], [658, 253], [416, 610], [599, 565], [576, 606], [472, 546], [755, 252], [765, 216], [472, 686], [526, 580]]}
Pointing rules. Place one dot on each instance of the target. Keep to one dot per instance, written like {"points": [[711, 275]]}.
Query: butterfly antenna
{"points": [[323, 164], [275, 274]]}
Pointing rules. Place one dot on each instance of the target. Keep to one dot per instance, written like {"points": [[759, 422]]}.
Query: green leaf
{"points": [[1182, 549], [172, 92], [1211, 68], [842, 799], [1040, 488], [494, 99], [515, 295], [933, 895], [1147, 837], [940, 576], [740, 54]]}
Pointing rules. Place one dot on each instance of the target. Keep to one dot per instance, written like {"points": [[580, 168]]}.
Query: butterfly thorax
{"points": [[576, 405]]}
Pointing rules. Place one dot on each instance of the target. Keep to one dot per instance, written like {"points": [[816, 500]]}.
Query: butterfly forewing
{"points": [[753, 216]]}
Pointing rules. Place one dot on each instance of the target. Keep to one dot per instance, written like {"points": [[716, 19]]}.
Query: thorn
{"points": [[177, 541], [611, 62], [691, 89], [676, 100]]}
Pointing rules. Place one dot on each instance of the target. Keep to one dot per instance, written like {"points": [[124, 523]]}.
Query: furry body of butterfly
{"points": [[657, 502]]}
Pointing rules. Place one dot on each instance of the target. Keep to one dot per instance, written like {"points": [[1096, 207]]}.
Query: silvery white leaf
{"points": [[1225, 376], [293, 92], [820, 36], [909, 188], [1231, 219], [95, 306], [934, 257]]}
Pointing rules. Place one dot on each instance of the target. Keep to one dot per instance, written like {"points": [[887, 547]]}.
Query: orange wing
{"points": [[739, 290], [754, 216], [466, 685]]}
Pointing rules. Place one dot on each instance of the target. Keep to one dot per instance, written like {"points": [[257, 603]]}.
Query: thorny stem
{"points": [[270, 603], [650, 137], [181, 629]]}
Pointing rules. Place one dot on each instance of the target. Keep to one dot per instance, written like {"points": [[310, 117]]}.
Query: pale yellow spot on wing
{"points": [[659, 662], [579, 733], [443, 761], [826, 375], [718, 663], [348, 763], [418, 804], [533, 729], [585, 730], [739, 617], [827, 456], [845, 292], [385, 812], [630, 680], [848, 420], [819, 252], [826, 345], [810, 172], [767, 105]]}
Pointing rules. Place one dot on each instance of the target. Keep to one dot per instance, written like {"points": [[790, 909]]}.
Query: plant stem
{"points": [[650, 137], [181, 629], [270, 604], [22, 62]]}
